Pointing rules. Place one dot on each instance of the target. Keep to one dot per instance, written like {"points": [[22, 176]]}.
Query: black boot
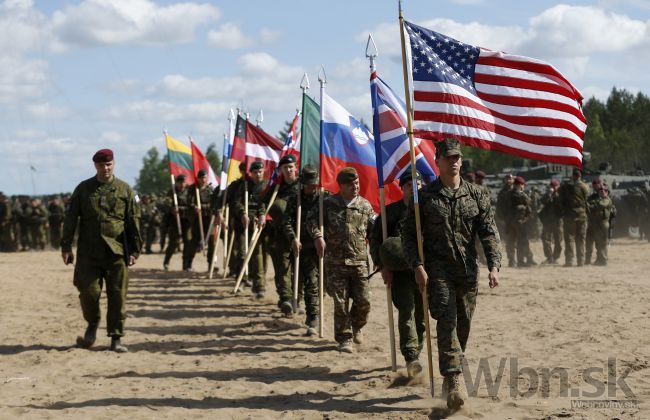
{"points": [[89, 337], [117, 346]]}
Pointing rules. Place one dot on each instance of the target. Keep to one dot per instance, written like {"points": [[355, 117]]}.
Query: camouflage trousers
{"points": [[345, 283], [55, 234], [257, 263], [575, 231], [410, 315], [38, 236], [517, 240], [282, 259], [175, 239], [150, 233], [451, 303], [596, 235], [195, 243], [308, 279], [552, 240], [89, 276]]}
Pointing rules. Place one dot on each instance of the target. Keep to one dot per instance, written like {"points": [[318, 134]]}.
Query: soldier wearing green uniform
{"points": [[550, 215], [36, 217], [252, 218], [518, 214], [601, 211], [308, 267], [149, 221], [281, 249], [235, 228], [22, 213], [175, 237], [107, 213], [56, 213], [348, 221], [573, 201], [502, 206], [6, 233], [453, 212], [205, 195], [397, 275]]}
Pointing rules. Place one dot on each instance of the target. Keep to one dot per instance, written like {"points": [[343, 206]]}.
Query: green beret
{"points": [[309, 176], [258, 164], [289, 158], [448, 147], [346, 175], [392, 256]]}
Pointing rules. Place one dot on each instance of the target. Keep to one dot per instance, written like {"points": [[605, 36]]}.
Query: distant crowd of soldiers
{"points": [[30, 223]]}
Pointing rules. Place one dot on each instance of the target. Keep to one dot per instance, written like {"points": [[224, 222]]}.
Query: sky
{"points": [[78, 76]]}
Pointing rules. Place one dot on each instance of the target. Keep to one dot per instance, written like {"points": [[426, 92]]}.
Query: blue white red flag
{"points": [[493, 100], [391, 141], [346, 142], [291, 147]]}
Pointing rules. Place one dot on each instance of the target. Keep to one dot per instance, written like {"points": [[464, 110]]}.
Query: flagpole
{"points": [[418, 228], [217, 231], [371, 53], [198, 206], [231, 242], [178, 217], [322, 79], [245, 265]]}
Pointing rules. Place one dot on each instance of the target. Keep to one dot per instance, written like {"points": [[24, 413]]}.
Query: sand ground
{"points": [[553, 336]]}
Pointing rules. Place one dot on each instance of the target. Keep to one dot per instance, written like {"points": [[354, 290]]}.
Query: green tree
{"points": [[213, 157], [154, 174]]}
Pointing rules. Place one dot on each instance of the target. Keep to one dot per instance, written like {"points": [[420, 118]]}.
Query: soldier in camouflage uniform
{"points": [[56, 213], [401, 279], [23, 232], [149, 221], [205, 194], [175, 236], [106, 210], [453, 212], [502, 209], [234, 225], [519, 213], [601, 211], [255, 186], [550, 215], [6, 233], [281, 249], [348, 221], [35, 217], [308, 268], [573, 202]]}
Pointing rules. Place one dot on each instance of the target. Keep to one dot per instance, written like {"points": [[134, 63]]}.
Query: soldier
{"points": [[480, 183], [36, 217], [254, 218], [281, 249], [550, 215], [149, 221], [106, 210], [502, 207], [22, 214], [453, 212], [397, 275], [601, 211], [518, 215], [573, 201], [175, 236], [56, 213], [234, 225], [308, 268], [6, 234], [348, 220], [205, 194]]}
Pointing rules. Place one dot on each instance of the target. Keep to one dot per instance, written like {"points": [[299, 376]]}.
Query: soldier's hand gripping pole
{"points": [[416, 204]]}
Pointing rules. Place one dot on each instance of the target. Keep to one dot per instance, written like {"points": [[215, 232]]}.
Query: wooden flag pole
{"points": [[322, 79], [418, 227], [178, 217], [371, 53], [231, 242], [226, 236], [296, 261], [200, 211]]}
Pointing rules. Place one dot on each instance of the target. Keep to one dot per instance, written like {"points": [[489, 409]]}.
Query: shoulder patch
{"points": [[137, 198]]}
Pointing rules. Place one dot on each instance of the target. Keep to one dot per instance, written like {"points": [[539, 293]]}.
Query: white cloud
{"points": [[228, 36], [22, 28], [269, 36], [21, 79], [467, 2], [47, 111], [130, 22], [165, 112]]}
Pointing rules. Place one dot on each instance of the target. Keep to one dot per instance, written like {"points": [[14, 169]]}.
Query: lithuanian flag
{"points": [[180, 159]]}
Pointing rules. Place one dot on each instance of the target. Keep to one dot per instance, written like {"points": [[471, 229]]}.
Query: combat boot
{"points": [[89, 337], [413, 368], [358, 336], [312, 324], [456, 395], [346, 346], [287, 308], [117, 346]]}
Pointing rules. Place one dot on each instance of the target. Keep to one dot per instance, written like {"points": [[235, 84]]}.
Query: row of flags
{"points": [[486, 99]]}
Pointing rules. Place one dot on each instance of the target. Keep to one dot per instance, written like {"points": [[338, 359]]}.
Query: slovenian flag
{"points": [[347, 142]]}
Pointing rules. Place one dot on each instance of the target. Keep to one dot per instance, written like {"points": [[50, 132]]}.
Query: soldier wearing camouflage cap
{"points": [[573, 201], [348, 220], [175, 237], [397, 274], [518, 214], [453, 212], [106, 211]]}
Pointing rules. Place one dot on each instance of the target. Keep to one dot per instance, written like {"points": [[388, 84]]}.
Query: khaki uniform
{"points": [[149, 224], [108, 219], [346, 228], [36, 221], [450, 222], [6, 233], [56, 213], [550, 215], [573, 201], [601, 210], [518, 214]]}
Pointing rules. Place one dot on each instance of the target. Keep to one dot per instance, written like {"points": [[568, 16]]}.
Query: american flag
{"points": [[391, 141], [493, 100]]}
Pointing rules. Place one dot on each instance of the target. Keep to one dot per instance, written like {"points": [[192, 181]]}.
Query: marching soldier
{"points": [[308, 268], [453, 212], [348, 220], [550, 215], [398, 275], [149, 221], [601, 211], [205, 194], [281, 249], [56, 213], [106, 211], [518, 215], [573, 201], [175, 237]]}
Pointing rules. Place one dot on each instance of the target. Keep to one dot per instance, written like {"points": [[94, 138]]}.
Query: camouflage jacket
{"points": [[308, 203], [346, 228], [149, 214], [286, 192], [601, 211], [205, 195], [395, 214], [183, 204], [573, 199], [104, 212], [35, 216], [56, 212], [451, 221], [256, 206], [503, 203], [520, 208], [5, 214], [549, 211]]}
